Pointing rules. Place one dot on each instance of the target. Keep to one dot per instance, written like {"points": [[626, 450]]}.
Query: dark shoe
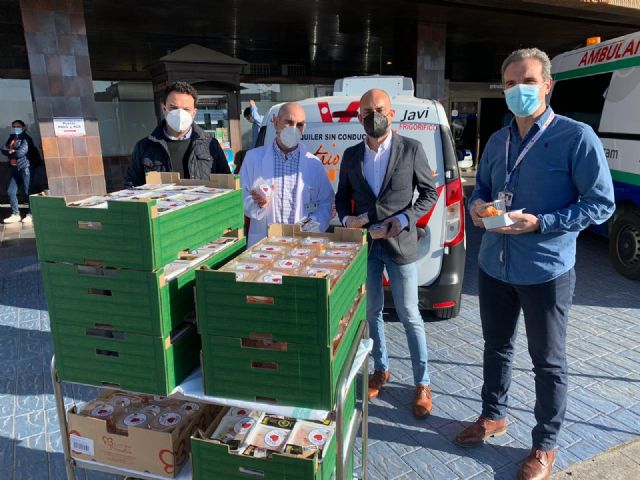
{"points": [[538, 465], [376, 381], [480, 430], [422, 402]]}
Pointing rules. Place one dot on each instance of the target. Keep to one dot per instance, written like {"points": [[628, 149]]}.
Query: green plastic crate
{"points": [[131, 300], [300, 310], [128, 361], [131, 234], [212, 460], [303, 376]]}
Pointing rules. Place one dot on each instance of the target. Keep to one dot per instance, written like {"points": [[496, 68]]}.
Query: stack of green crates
{"points": [[299, 318], [115, 319]]}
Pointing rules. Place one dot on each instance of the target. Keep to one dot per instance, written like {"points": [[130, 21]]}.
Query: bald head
{"points": [[290, 115], [291, 109], [376, 101]]}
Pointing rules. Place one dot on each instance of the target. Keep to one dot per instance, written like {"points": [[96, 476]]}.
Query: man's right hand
{"points": [[473, 211], [354, 222], [259, 198]]}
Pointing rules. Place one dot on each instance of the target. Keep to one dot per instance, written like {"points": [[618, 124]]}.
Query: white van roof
{"points": [[620, 52], [394, 85]]}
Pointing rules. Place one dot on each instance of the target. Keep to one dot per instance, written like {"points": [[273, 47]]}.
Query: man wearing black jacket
{"points": [[378, 178], [178, 144]]}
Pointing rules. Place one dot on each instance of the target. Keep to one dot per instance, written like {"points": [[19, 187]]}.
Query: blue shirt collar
{"points": [[513, 126]]}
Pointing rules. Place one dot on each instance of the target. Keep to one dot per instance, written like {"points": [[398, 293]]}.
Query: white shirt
{"points": [[376, 163], [375, 169]]}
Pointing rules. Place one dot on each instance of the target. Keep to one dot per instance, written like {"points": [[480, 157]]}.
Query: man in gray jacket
{"points": [[378, 178]]}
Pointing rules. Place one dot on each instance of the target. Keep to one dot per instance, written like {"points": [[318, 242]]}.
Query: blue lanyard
{"points": [[525, 150]]}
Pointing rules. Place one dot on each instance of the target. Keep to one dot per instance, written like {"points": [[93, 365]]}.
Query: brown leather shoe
{"points": [[538, 465], [480, 430], [376, 381], [422, 402]]}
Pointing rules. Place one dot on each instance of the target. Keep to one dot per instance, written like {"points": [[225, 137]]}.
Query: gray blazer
{"points": [[407, 171]]}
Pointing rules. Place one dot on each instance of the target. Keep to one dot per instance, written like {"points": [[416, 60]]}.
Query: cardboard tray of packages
{"points": [[300, 310], [301, 375], [128, 361], [141, 449], [213, 460], [131, 234], [122, 299]]}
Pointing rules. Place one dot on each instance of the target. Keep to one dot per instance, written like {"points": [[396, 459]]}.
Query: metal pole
{"points": [[365, 406], [62, 420]]}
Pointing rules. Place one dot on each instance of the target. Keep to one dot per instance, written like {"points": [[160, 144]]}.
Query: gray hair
{"points": [[523, 54]]}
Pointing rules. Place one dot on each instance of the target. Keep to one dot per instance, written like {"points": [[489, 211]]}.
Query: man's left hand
{"points": [[523, 223], [395, 228]]}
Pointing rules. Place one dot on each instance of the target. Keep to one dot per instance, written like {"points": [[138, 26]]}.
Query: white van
{"points": [[600, 85], [332, 126]]}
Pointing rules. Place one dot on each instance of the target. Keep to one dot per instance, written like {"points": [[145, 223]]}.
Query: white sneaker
{"points": [[27, 219], [15, 218]]}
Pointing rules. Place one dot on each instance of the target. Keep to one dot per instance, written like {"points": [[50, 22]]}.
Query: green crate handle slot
{"points": [[83, 225], [251, 471], [104, 333]]}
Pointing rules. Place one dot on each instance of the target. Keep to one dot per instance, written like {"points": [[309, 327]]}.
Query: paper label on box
{"points": [[81, 444]]}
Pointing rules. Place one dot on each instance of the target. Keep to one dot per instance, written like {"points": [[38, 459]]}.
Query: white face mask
{"points": [[290, 137], [179, 120]]}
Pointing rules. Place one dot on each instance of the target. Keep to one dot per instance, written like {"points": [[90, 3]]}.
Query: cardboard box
{"points": [[131, 234], [212, 460], [142, 449], [300, 310]]}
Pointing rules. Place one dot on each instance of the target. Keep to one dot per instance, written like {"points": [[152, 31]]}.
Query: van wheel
{"points": [[624, 244], [447, 313]]}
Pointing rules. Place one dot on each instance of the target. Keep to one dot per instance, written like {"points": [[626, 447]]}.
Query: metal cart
{"points": [[345, 439]]}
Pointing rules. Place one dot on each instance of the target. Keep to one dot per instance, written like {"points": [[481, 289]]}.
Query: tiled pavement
{"points": [[604, 404]]}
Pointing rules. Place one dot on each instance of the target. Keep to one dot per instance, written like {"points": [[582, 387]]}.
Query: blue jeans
{"points": [[546, 312], [18, 176], [404, 287]]}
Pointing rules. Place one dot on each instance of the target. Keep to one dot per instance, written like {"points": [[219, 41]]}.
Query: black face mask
{"points": [[375, 124]]}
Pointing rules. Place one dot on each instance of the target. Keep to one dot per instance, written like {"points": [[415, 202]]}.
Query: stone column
{"points": [[61, 84], [432, 41]]}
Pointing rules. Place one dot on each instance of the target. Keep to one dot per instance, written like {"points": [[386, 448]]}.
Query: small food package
{"points": [[166, 206], [308, 438], [138, 418], [269, 277], [354, 246], [101, 408], [167, 420], [288, 265], [269, 435], [243, 266], [123, 194], [302, 253], [153, 186], [494, 214], [126, 400], [97, 201], [264, 188], [291, 241], [266, 258], [320, 272], [189, 408], [339, 253], [270, 248], [234, 427], [379, 230], [330, 262], [317, 243], [308, 224]]}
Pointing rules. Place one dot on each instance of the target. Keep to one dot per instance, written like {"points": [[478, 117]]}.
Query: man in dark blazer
{"points": [[378, 178]]}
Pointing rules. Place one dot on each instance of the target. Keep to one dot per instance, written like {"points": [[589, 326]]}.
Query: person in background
{"points": [[297, 185], [378, 178], [178, 144], [19, 149], [555, 168], [252, 116], [238, 159]]}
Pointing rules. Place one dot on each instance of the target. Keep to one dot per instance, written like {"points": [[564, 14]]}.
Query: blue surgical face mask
{"points": [[16, 131], [522, 99]]}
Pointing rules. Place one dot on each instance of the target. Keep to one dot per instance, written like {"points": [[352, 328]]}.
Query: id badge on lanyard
{"points": [[507, 192]]}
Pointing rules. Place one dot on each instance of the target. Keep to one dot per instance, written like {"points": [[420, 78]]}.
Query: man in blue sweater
{"points": [[555, 169]]}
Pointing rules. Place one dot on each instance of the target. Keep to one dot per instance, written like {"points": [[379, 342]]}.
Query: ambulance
{"points": [[600, 85], [332, 126]]}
